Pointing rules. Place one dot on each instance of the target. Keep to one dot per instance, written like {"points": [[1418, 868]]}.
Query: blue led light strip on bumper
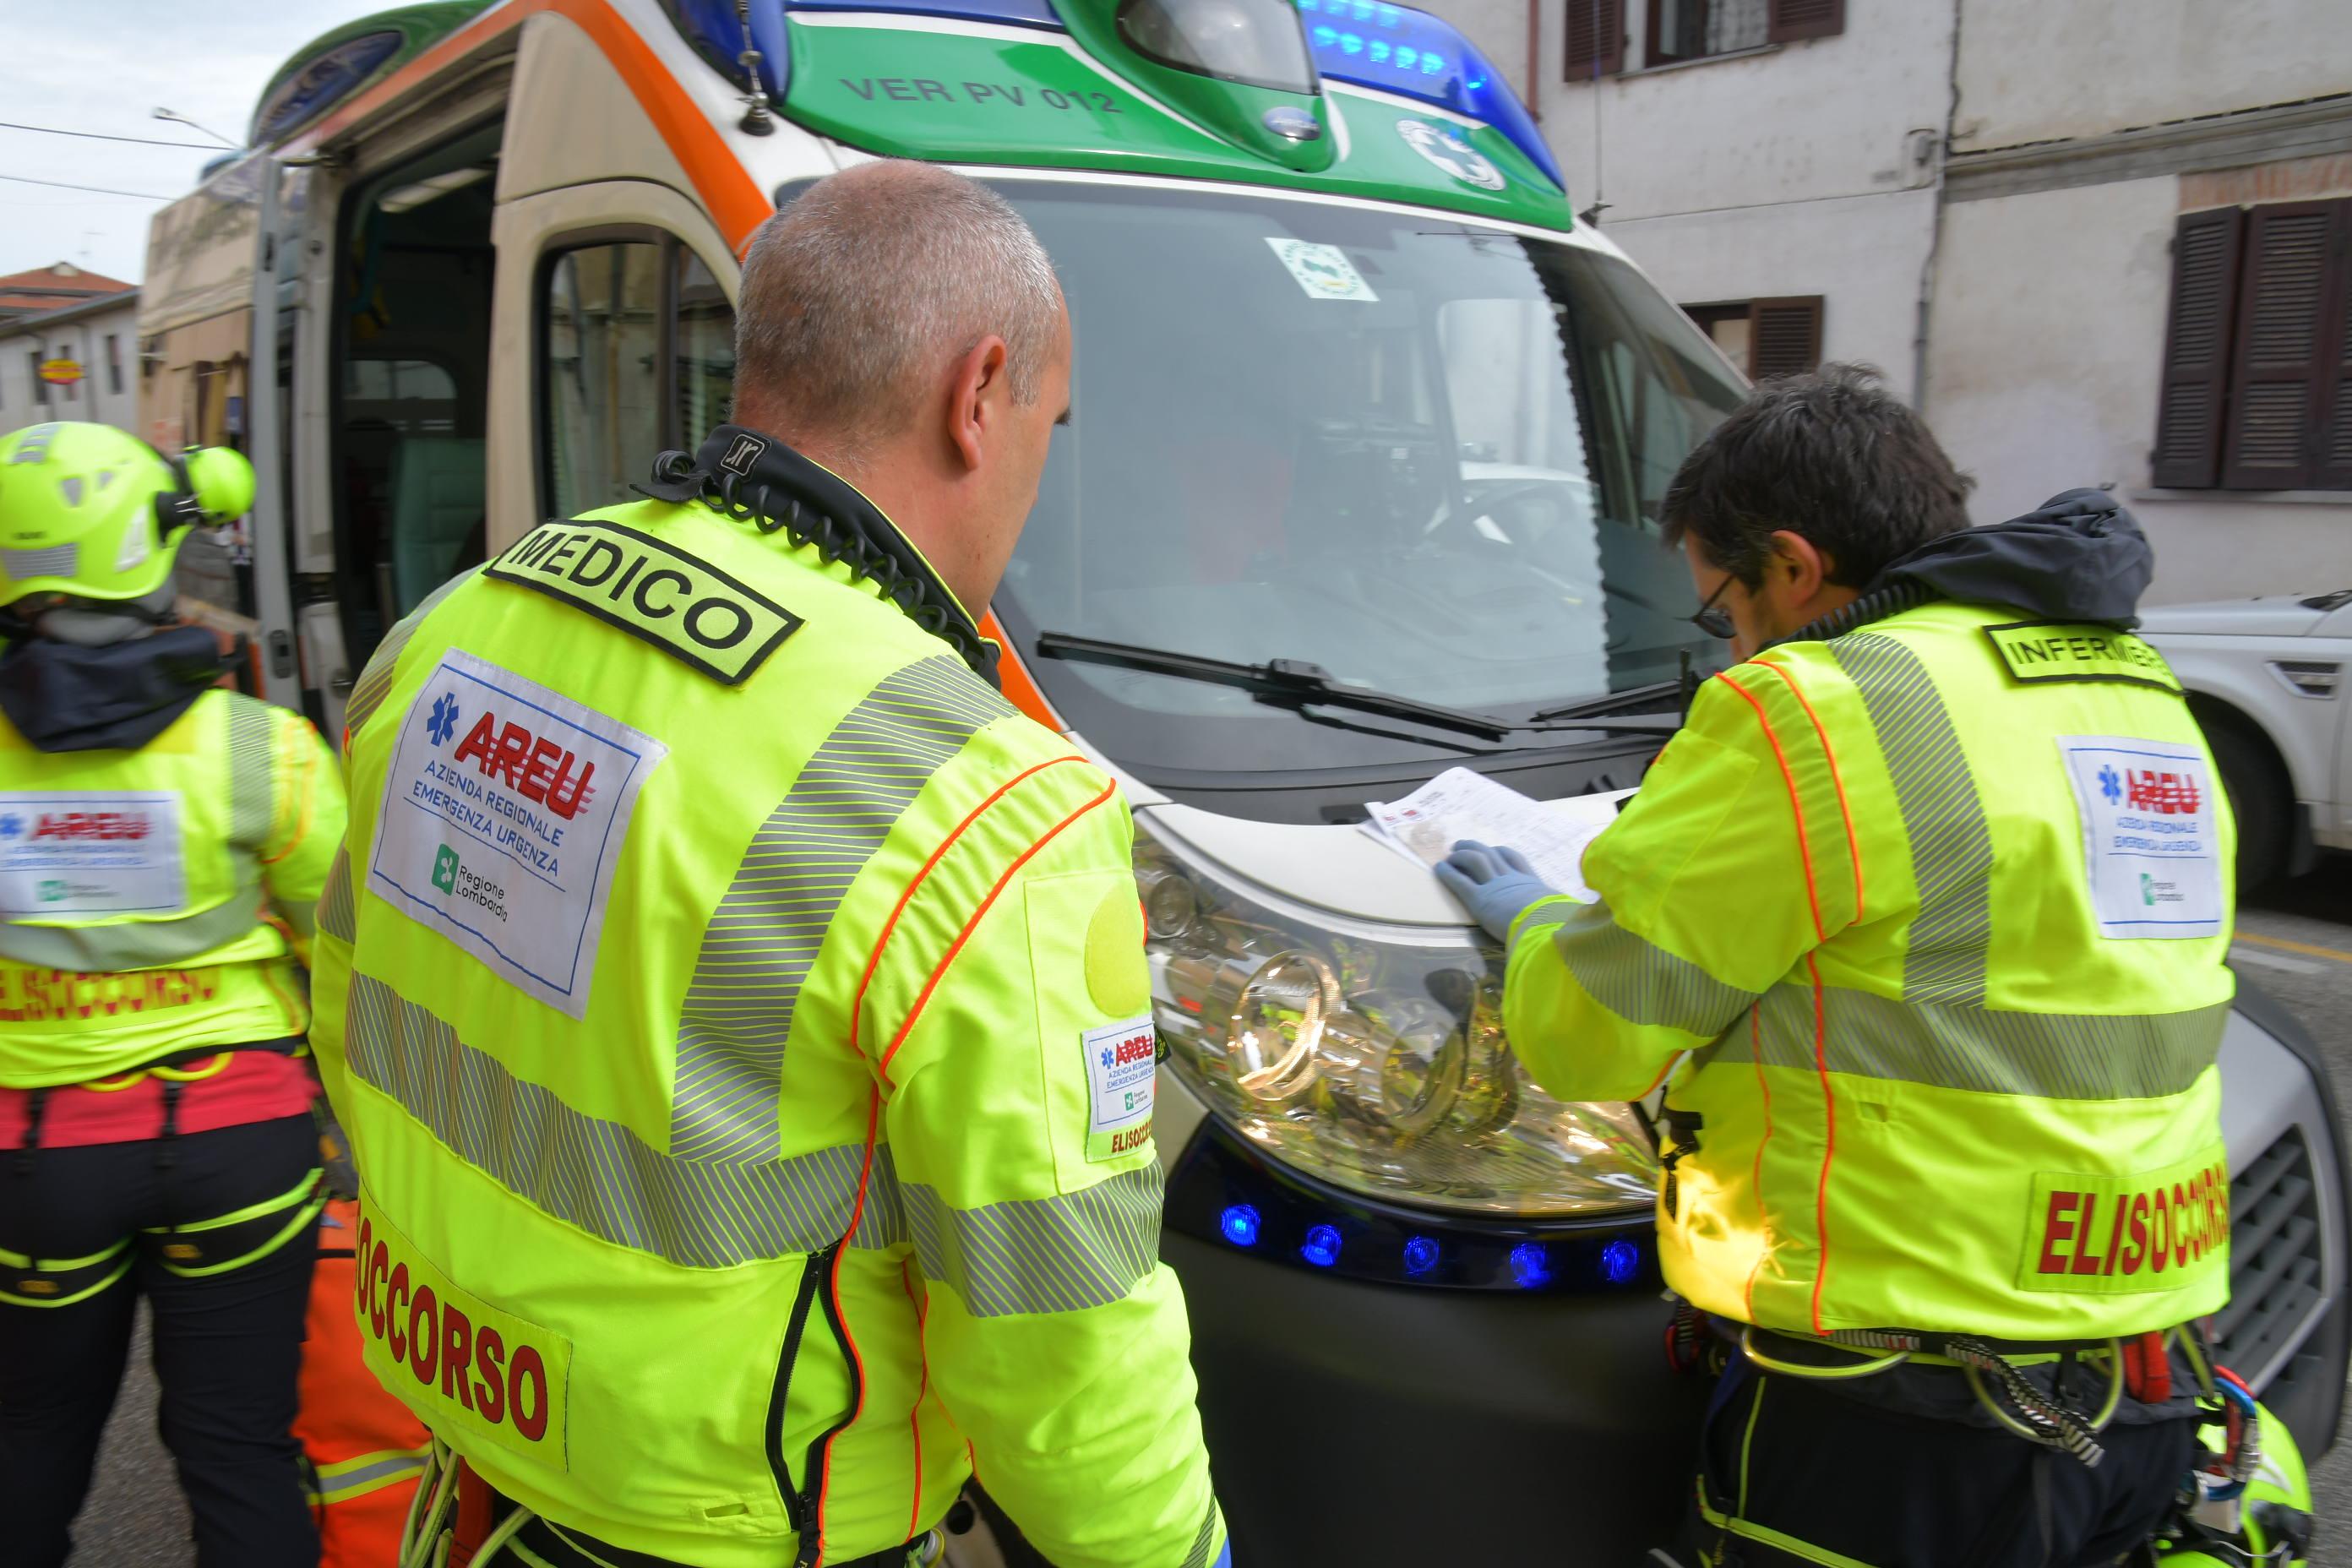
{"points": [[1411, 53]]}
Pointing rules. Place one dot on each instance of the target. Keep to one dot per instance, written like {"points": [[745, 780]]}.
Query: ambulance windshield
{"points": [[1426, 456]]}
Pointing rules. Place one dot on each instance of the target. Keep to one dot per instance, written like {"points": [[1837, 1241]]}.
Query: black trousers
{"points": [[1895, 1489], [228, 1346]]}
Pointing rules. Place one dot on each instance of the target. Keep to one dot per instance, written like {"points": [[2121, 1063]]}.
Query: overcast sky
{"points": [[101, 66]]}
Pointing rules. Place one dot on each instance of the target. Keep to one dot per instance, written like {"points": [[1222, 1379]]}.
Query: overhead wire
{"points": [[102, 190], [102, 136]]}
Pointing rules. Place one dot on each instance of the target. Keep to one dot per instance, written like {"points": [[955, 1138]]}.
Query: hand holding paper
{"points": [[1495, 885]]}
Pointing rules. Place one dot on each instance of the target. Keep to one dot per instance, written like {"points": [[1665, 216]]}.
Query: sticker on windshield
{"points": [[503, 816], [1323, 271], [2148, 834], [1445, 146]]}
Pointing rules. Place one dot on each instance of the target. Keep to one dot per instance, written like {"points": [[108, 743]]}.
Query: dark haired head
{"points": [[1830, 455]]}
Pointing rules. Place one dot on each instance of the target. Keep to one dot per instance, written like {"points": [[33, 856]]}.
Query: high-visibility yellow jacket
{"points": [[157, 900], [736, 1008], [1938, 908]]}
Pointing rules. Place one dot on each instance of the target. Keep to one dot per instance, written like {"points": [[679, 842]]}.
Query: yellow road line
{"points": [[2285, 946]]}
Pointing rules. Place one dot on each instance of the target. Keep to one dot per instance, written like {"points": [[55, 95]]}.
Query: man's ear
{"points": [[975, 396], [1802, 566]]}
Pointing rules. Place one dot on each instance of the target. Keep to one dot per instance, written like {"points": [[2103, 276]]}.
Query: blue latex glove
{"points": [[1495, 885]]}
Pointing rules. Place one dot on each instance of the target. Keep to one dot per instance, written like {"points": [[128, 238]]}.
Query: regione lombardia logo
{"points": [[1451, 151]]}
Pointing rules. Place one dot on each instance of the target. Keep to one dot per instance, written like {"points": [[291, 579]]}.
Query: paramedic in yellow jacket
{"points": [[1921, 921], [735, 1005], [163, 842]]}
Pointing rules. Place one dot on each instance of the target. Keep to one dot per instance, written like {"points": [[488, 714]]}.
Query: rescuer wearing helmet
{"points": [[1934, 890], [723, 985], [163, 842]]}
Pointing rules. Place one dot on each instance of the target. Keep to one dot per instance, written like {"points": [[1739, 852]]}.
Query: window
{"points": [[1445, 485], [1693, 29], [1765, 338], [40, 387], [113, 364], [704, 351], [413, 396], [2257, 380], [637, 345], [1681, 30]]}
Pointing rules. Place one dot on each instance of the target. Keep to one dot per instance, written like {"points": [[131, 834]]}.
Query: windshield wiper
{"points": [[1296, 680], [1633, 697]]}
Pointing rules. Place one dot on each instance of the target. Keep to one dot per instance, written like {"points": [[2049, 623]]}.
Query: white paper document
{"points": [[1459, 804]]}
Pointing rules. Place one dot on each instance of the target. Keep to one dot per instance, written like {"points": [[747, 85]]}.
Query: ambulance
{"points": [[1371, 436]]}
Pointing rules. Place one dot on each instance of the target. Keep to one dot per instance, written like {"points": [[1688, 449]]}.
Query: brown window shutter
{"points": [[1784, 336], [2205, 249], [2292, 292], [1794, 19], [2332, 468], [1596, 32]]}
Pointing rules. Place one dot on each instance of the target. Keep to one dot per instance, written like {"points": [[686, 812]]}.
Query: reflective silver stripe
{"points": [[338, 1482], [251, 808], [336, 916], [772, 920], [1205, 1542], [1061, 1254], [598, 1174], [135, 944], [1951, 852], [1641, 982], [368, 691], [57, 561], [2044, 1056]]}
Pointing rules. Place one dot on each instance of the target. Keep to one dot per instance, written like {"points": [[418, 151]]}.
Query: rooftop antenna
{"points": [[756, 121]]}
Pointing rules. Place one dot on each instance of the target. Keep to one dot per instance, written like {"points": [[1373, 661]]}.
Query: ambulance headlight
{"points": [[1372, 1058]]}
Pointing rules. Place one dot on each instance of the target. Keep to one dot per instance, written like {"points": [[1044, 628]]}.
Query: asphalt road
{"points": [[2295, 942]]}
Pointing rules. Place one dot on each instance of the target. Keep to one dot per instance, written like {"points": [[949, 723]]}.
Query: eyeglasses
{"points": [[1715, 622]]}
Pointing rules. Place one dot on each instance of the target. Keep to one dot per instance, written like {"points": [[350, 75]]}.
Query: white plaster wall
{"points": [[1826, 116], [92, 399], [1863, 255], [2046, 355], [2031, 70]]}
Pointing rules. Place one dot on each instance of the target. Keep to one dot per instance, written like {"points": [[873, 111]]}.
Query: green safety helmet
{"points": [[94, 512], [2274, 1514]]}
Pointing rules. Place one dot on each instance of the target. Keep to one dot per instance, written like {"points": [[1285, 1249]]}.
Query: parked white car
{"points": [[2267, 678]]}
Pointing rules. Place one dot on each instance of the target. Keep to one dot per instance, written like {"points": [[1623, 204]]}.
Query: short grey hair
{"points": [[872, 279]]}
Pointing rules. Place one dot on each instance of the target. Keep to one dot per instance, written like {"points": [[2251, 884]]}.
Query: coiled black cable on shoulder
{"points": [[758, 480]]}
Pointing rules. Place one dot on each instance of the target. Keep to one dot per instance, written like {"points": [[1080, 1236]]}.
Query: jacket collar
{"points": [[63, 697], [757, 478]]}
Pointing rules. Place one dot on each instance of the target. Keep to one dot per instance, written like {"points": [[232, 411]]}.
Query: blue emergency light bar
{"points": [[1398, 49]]}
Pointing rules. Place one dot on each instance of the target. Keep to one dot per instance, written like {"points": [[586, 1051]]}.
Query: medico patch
{"points": [[80, 852], [2151, 839], [503, 815], [1121, 1063]]}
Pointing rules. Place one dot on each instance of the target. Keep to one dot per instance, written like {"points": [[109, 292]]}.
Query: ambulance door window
{"points": [[703, 352], [601, 336]]}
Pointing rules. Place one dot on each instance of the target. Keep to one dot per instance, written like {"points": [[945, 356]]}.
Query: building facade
{"points": [[94, 343], [2104, 244]]}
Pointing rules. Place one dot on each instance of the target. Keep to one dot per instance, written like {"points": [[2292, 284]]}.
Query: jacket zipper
{"points": [[813, 1467], [796, 1504]]}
